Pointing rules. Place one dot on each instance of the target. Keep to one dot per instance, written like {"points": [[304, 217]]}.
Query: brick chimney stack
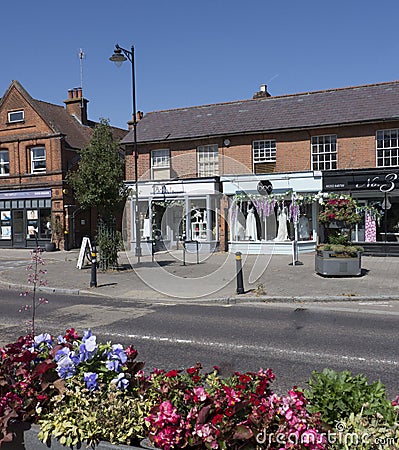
{"points": [[76, 105], [139, 116], [262, 92]]}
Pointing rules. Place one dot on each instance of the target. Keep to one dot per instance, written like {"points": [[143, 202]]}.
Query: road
{"points": [[290, 339]]}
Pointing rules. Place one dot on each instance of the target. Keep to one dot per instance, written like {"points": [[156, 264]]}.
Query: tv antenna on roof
{"points": [[81, 56]]}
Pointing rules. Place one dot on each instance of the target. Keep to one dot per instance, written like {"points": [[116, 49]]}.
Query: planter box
{"points": [[333, 264], [26, 439]]}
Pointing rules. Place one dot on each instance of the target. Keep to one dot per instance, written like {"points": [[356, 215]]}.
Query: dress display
{"points": [[304, 232], [251, 230], [282, 233]]}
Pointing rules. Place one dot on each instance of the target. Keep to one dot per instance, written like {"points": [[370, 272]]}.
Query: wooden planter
{"points": [[329, 263]]}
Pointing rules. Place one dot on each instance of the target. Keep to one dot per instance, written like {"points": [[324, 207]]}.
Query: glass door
{"points": [[18, 229]]}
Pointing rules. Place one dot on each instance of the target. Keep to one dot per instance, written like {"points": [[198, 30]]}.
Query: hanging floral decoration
{"points": [[335, 207], [342, 208]]}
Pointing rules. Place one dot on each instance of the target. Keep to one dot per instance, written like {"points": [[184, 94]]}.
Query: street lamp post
{"points": [[120, 55]]}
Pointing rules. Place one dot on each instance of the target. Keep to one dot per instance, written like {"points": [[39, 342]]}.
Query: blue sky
{"points": [[194, 52]]}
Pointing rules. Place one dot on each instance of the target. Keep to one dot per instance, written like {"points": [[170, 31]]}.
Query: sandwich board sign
{"points": [[84, 249]]}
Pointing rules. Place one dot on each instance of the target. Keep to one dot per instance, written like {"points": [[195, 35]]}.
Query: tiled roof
{"points": [[77, 135], [374, 102]]}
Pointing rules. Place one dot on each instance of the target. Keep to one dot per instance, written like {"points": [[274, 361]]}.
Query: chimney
{"points": [[139, 116], [76, 105], [262, 92]]}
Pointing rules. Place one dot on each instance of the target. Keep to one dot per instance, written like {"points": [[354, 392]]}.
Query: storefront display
{"points": [[24, 217]]}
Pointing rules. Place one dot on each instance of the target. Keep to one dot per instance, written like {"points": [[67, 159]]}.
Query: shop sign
{"points": [[383, 182], [264, 187], [11, 195]]}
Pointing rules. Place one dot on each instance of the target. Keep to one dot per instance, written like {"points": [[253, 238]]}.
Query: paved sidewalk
{"points": [[266, 277]]}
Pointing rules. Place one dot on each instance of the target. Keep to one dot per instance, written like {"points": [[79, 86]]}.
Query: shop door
{"points": [[18, 229]]}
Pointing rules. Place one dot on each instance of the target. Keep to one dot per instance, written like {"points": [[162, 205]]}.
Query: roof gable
{"points": [[342, 106]]}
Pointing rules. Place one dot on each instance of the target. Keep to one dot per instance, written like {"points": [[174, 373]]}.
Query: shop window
{"points": [[387, 143], [264, 156], [5, 220], [160, 164], [207, 160], [38, 159], [324, 152], [38, 222], [4, 163]]}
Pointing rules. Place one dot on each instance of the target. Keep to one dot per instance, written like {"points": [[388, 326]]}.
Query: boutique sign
{"points": [[383, 181]]}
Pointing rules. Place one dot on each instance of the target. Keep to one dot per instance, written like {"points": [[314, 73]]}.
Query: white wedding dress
{"points": [[282, 233], [251, 231]]}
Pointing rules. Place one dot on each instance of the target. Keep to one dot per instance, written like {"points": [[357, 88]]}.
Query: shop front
{"points": [[173, 213], [377, 188], [25, 218], [270, 213]]}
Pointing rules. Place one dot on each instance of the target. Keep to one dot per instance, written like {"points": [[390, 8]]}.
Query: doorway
{"points": [[18, 228]]}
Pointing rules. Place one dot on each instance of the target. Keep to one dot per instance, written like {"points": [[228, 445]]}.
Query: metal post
{"points": [[93, 279], [240, 282]]}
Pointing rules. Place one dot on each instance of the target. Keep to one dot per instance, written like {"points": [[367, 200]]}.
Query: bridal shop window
{"points": [[270, 219]]}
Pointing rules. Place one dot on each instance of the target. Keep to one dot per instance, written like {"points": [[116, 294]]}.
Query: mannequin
{"points": [[251, 231], [282, 234], [304, 232]]}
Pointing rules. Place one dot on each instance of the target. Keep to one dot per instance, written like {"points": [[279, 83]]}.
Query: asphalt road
{"points": [[292, 340]]}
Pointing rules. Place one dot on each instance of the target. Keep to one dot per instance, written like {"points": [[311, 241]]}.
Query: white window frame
{"points": [[324, 152], [34, 159], [207, 160], [160, 159], [20, 116], [264, 151], [387, 147], [4, 162]]}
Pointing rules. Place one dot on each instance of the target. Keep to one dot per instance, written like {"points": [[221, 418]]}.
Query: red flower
{"points": [[172, 373]]}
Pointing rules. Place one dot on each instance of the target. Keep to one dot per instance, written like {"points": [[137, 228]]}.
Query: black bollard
{"points": [[93, 279], [240, 282]]}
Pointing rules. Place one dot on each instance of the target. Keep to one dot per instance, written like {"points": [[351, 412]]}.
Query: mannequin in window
{"points": [[251, 231], [303, 225], [282, 233]]}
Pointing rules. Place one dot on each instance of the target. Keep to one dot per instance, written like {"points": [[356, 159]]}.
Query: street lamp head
{"points": [[118, 58]]}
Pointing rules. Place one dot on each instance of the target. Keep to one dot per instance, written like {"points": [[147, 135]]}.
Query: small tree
{"points": [[98, 180]]}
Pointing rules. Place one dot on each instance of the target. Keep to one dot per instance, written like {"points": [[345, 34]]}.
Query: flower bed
{"points": [[80, 391]]}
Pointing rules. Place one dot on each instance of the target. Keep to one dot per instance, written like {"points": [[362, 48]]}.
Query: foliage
{"points": [[81, 391], [342, 208], [109, 242], [338, 394], [339, 244], [205, 411], [56, 230], [98, 180], [36, 280], [357, 432], [80, 415], [26, 381]]}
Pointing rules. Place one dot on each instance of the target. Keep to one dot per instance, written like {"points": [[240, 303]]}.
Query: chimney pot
{"points": [[79, 92], [70, 93]]}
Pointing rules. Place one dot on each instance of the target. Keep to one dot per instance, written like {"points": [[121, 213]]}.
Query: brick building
{"points": [[38, 146], [259, 153]]}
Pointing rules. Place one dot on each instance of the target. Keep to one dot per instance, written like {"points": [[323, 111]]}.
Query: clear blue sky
{"points": [[193, 52]]}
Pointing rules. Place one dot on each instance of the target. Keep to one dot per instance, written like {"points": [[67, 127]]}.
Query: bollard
{"points": [[93, 279], [240, 283]]}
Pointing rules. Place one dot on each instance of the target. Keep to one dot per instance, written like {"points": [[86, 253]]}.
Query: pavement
{"points": [[167, 277]]}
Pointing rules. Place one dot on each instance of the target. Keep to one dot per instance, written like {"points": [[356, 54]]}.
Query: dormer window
{"points": [[16, 116]]}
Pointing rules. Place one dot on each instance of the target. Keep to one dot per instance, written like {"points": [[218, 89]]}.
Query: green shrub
{"points": [[78, 415], [365, 433], [336, 395]]}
